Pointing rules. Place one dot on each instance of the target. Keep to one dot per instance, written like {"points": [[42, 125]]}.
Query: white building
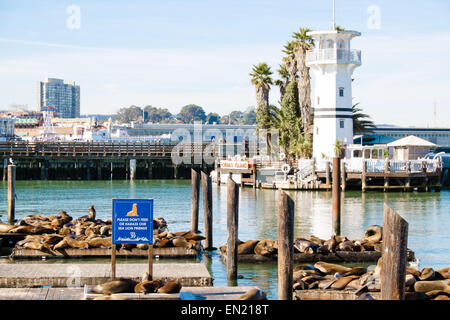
{"points": [[332, 61]]}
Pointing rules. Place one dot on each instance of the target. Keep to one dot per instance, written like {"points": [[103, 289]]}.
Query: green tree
{"points": [[304, 42], [249, 117], [262, 80], [132, 113], [191, 113], [158, 115], [361, 121], [212, 117]]}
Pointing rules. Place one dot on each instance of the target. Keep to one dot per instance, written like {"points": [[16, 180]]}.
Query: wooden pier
{"points": [[360, 174], [28, 275], [186, 293], [102, 160]]}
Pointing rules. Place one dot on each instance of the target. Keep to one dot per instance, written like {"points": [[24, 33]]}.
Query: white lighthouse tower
{"points": [[332, 61]]}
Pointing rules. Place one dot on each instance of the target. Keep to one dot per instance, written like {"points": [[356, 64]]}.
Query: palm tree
{"points": [[283, 82], [304, 42], [362, 122], [261, 79]]}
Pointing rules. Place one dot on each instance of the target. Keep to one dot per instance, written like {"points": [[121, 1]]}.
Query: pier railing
{"points": [[98, 149], [379, 165]]}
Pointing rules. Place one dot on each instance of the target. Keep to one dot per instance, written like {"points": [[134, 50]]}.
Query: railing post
{"points": [[285, 231], [343, 175], [394, 255], [232, 229]]}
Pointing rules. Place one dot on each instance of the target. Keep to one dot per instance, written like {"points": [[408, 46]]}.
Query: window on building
{"points": [[341, 92], [341, 124]]}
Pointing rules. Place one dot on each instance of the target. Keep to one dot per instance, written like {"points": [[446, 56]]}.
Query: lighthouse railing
{"points": [[334, 55]]}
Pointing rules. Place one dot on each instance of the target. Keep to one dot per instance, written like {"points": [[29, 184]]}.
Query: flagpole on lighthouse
{"points": [[334, 21]]}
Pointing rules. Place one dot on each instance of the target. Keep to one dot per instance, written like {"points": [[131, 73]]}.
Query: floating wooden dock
{"points": [[186, 293], [329, 295], [27, 275], [169, 252], [340, 256]]}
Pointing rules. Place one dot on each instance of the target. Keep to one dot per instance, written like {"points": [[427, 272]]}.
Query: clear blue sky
{"points": [[171, 53]]}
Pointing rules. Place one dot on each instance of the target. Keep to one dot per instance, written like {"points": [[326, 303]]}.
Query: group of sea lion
{"points": [[423, 285], [370, 242], [53, 233], [124, 285]]}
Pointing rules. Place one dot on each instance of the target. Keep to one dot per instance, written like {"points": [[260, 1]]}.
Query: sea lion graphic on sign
{"points": [[132, 221], [133, 212]]}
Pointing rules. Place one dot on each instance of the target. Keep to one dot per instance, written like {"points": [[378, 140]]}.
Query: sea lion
{"points": [[374, 233], [142, 246], [410, 280], [173, 286], [61, 245], [164, 243], [247, 247], [181, 242], [106, 230], [346, 245], [433, 294], [325, 284], [64, 231], [357, 271], [444, 273], [121, 285], [148, 286], [340, 239], [31, 230], [342, 282], [265, 248], [300, 274], [128, 246], [413, 271], [34, 245], [305, 246], [99, 242], [4, 227], [304, 267], [322, 249], [442, 297], [332, 244], [92, 212], [329, 268], [355, 284], [80, 244], [426, 286], [316, 240], [253, 294], [193, 236], [426, 274]]}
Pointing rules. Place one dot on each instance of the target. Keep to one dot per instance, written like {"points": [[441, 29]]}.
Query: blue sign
{"points": [[132, 221]]}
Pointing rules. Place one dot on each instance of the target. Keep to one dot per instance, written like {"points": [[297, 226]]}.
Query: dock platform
{"points": [[28, 275], [186, 293], [169, 252]]}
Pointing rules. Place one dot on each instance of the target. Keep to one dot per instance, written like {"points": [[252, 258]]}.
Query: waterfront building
{"points": [[63, 97], [332, 62], [6, 128], [410, 148], [438, 136]]}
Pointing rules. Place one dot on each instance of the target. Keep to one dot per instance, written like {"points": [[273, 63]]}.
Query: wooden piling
{"points": [[285, 245], [207, 210], [336, 196], [386, 172], [393, 269], [113, 262], [343, 176], [195, 190], [132, 169], [327, 173], [232, 228], [11, 193], [363, 175], [5, 168]]}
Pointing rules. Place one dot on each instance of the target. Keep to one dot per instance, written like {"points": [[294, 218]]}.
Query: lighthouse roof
{"points": [[348, 33]]}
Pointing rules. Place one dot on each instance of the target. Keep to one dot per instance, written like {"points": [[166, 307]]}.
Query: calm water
{"points": [[426, 213]]}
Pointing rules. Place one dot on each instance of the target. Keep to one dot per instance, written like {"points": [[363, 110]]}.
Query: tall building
{"points": [[332, 61], [63, 97]]}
